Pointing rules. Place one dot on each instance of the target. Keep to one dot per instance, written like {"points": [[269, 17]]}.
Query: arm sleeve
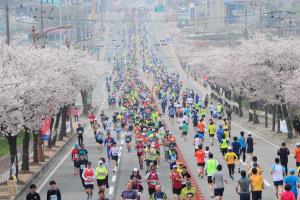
{"points": [[59, 195], [83, 174]]}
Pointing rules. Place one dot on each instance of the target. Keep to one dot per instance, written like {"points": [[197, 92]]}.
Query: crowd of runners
{"points": [[144, 115]]}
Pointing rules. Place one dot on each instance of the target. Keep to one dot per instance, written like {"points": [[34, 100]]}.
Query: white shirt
{"points": [[277, 172]]}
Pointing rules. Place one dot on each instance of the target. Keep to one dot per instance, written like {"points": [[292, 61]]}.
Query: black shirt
{"points": [[283, 154], [53, 195], [81, 164], [80, 130], [33, 196]]}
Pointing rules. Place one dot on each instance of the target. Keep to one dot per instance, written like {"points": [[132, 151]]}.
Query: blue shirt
{"points": [[236, 147], [220, 132], [241, 140], [293, 181]]}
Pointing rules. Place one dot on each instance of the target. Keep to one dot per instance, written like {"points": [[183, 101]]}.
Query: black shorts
{"points": [[114, 158], [211, 135], [101, 182], [89, 186], [100, 141], [249, 150], [256, 195], [75, 163], [209, 179], [218, 192], [176, 191], [171, 116], [184, 133], [201, 164], [278, 183]]}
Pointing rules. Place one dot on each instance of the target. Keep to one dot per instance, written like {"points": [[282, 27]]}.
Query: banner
{"points": [[68, 125], [45, 131], [283, 126]]}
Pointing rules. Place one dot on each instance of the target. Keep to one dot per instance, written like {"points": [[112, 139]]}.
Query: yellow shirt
{"points": [[257, 182], [230, 157]]}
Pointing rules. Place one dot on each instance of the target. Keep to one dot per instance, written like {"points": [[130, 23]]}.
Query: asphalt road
{"points": [[71, 186]]}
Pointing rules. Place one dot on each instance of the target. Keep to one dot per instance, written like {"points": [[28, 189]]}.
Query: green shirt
{"points": [[185, 191], [185, 128], [101, 173], [211, 166]]}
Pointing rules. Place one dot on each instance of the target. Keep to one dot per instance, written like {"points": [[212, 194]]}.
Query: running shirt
{"points": [[211, 129], [129, 195], [256, 182], [139, 149], [175, 182], [109, 142], [230, 158], [200, 155], [236, 147], [277, 172], [242, 142], [218, 178], [244, 185], [211, 166]]}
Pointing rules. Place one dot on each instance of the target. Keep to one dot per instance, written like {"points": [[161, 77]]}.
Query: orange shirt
{"points": [[297, 154], [139, 136], [145, 140], [201, 126], [171, 138], [199, 154]]}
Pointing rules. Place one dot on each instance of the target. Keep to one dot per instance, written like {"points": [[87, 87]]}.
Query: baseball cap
{"points": [[292, 170], [135, 169], [100, 162]]}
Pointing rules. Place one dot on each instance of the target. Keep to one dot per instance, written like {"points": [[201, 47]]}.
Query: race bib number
{"points": [[53, 197]]}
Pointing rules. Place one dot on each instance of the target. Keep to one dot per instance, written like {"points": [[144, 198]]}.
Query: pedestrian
{"points": [[80, 132], [75, 113], [186, 190], [296, 126], [219, 180], [287, 194], [283, 153], [152, 178], [185, 130], [224, 145], [101, 194], [243, 186], [53, 192], [176, 179], [91, 118], [88, 176], [81, 165], [108, 142], [257, 185], [101, 173], [277, 174], [210, 169], [33, 195], [297, 154], [129, 193], [158, 194], [200, 156], [231, 158], [114, 150], [74, 158], [250, 145], [293, 181], [236, 148]]}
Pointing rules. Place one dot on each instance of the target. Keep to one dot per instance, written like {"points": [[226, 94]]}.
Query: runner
{"points": [[152, 179], [210, 169], [80, 132], [140, 153], [277, 174], [200, 155], [114, 151], [81, 165], [108, 142], [211, 130], [88, 176], [219, 180], [243, 186], [231, 158], [283, 153], [243, 144], [74, 157], [176, 179], [53, 193], [293, 181], [129, 193], [257, 184]]}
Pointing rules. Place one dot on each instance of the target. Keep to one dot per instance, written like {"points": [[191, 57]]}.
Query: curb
{"points": [[45, 167]]}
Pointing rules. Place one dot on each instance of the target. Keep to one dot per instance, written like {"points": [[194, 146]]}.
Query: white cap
{"points": [[100, 162], [135, 169]]}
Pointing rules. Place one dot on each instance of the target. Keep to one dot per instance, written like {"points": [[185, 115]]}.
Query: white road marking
{"points": [[267, 183], [119, 161], [241, 161], [113, 179], [120, 148], [122, 142], [111, 190]]}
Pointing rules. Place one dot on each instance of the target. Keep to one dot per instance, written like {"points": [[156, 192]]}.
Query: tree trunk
{"points": [[84, 96], [266, 115], [273, 117], [279, 116], [56, 127], [12, 141], [40, 148], [239, 101], [255, 116], [63, 127], [25, 154], [50, 137], [286, 117], [250, 119], [35, 147]]}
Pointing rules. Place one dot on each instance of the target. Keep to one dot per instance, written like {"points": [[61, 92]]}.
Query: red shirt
{"points": [[92, 118], [200, 154], [75, 154], [175, 182], [287, 195], [201, 127], [140, 149]]}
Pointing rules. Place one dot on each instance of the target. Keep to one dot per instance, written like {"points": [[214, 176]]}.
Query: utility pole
{"points": [[279, 22], [42, 23], [7, 24], [246, 21]]}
